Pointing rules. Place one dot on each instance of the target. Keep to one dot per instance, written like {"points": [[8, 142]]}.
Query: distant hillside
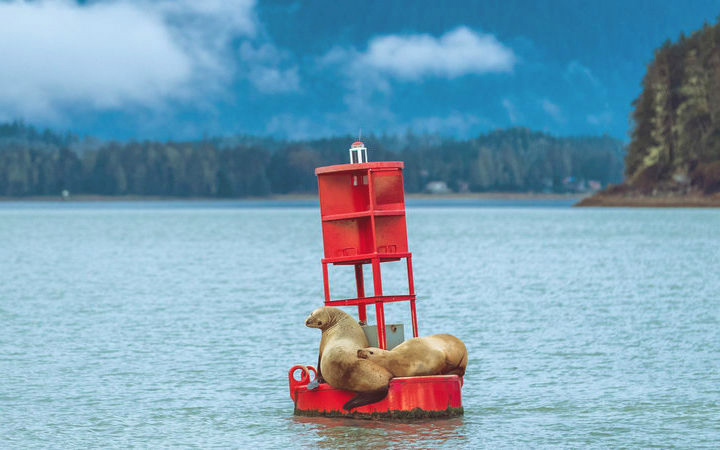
{"points": [[34, 163], [675, 146]]}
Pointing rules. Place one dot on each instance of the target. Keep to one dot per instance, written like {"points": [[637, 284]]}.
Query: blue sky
{"points": [[183, 69]]}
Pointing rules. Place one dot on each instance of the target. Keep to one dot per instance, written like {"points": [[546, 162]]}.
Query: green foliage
{"points": [[676, 133], [399, 415], [515, 160], [43, 163]]}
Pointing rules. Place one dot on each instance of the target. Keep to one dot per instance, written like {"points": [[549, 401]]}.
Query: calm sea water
{"points": [[154, 324]]}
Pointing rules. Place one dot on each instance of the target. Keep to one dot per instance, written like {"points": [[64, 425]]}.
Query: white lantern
{"points": [[358, 153]]}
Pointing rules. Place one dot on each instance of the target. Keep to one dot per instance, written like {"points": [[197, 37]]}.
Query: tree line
{"points": [[675, 143], [36, 163]]}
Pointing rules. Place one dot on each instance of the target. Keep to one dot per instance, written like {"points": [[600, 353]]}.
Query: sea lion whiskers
{"points": [[365, 353]]}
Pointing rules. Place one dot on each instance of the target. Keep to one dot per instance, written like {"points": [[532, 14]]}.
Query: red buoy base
{"points": [[408, 398]]}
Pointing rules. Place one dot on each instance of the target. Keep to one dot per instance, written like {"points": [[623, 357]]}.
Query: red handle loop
{"points": [[312, 369], [304, 378]]}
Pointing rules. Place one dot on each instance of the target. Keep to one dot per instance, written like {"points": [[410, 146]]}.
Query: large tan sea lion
{"points": [[338, 363], [439, 354]]}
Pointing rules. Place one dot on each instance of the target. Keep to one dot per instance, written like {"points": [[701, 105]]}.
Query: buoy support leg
{"points": [[379, 309], [360, 284], [413, 313], [411, 291], [380, 313], [326, 285]]}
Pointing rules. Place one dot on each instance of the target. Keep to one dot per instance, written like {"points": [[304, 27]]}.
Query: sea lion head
{"points": [[368, 353], [321, 318]]}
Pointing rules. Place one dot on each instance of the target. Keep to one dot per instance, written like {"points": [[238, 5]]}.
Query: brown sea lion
{"points": [[439, 354], [338, 363]]}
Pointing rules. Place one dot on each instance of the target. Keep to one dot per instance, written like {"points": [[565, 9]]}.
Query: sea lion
{"points": [[439, 354], [338, 363]]}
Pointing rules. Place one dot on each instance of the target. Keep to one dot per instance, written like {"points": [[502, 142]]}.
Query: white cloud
{"points": [[576, 72], [457, 124], [458, 52], [227, 17], [271, 80], [57, 54], [600, 119], [511, 110], [454, 124], [267, 68], [337, 56], [290, 126], [367, 75], [552, 110]]}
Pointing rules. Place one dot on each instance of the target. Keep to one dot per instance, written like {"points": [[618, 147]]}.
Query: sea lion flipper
{"points": [[365, 398], [318, 377], [315, 383]]}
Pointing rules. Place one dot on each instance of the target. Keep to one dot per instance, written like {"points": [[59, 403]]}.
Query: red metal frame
{"points": [[363, 216], [363, 222]]}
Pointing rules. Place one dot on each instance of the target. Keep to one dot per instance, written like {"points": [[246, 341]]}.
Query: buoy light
{"points": [[358, 153]]}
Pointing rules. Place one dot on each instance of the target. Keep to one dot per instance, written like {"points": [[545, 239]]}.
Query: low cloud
{"points": [[370, 76], [600, 119], [270, 69], [291, 126], [60, 54], [459, 52], [271, 80], [511, 110], [454, 124], [577, 73], [457, 124], [552, 110]]}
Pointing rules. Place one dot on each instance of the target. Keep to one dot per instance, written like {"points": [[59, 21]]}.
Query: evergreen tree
{"points": [[43, 163]]}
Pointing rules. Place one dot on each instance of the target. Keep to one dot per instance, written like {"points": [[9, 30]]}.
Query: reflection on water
{"points": [[338, 432]]}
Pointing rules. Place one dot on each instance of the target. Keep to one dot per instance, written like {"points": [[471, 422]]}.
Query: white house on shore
{"points": [[437, 187]]}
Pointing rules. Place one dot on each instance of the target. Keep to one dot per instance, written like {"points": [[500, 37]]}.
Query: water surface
{"points": [[157, 325]]}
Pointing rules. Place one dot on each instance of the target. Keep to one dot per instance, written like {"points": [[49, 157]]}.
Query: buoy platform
{"points": [[408, 398]]}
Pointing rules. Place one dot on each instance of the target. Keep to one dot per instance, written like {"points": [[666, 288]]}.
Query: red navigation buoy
{"points": [[362, 207]]}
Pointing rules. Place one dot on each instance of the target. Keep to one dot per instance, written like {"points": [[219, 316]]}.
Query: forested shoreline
{"points": [[675, 146], [45, 163], [673, 158]]}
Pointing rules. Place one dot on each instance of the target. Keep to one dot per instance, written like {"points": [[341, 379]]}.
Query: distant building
{"points": [[594, 185], [437, 187], [681, 178]]}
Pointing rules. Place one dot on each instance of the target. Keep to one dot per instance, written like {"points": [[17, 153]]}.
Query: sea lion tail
{"points": [[365, 398]]}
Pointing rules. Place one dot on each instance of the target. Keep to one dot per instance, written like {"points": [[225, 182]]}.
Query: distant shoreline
{"points": [[651, 201], [504, 196], [600, 199]]}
